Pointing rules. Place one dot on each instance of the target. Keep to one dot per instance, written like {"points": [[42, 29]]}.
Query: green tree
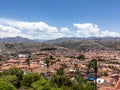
{"points": [[44, 84], [85, 86], [60, 79], [14, 71], [28, 60], [41, 84], [47, 62], [6, 86], [60, 71], [29, 78], [93, 65], [10, 79], [2, 58], [81, 56], [81, 83]]}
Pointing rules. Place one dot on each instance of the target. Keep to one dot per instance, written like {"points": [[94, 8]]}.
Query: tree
{"points": [[60, 79], [93, 65], [81, 83], [41, 84], [28, 60], [6, 86], [10, 79], [60, 71], [47, 62], [15, 71], [51, 57], [29, 78], [81, 56], [2, 58]]}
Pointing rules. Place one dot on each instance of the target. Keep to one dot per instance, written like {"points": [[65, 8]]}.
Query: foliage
{"points": [[93, 65], [6, 86], [29, 78], [58, 80], [14, 71], [25, 88], [48, 49], [60, 71], [41, 84], [47, 61], [10, 79], [105, 73], [34, 81], [7, 45], [51, 57], [1, 57], [90, 44], [28, 60], [81, 56], [82, 84]]}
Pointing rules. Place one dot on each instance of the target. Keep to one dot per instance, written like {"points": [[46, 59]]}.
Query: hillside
{"points": [[64, 39], [16, 44], [15, 39], [90, 44], [12, 47], [87, 43]]}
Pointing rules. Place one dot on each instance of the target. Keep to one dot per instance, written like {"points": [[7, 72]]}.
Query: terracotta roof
{"points": [[33, 66], [12, 61], [118, 84]]}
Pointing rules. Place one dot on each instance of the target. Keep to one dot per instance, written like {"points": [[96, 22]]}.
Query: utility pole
{"points": [[95, 71], [93, 65]]}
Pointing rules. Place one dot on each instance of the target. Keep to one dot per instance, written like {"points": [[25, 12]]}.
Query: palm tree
{"points": [[47, 62], [28, 60], [93, 65]]}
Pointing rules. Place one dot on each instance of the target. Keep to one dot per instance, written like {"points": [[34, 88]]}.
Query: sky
{"points": [[50, 19]]}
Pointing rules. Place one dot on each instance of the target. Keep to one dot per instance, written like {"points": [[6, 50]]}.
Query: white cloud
{"points": [[31, 26], [41, 30], [90, 30], [65, 30], [108, 33], [8, 31], [87, 29], [31, 30]]}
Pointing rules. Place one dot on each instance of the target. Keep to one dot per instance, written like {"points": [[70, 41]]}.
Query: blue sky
{"points": [[49, 19]]}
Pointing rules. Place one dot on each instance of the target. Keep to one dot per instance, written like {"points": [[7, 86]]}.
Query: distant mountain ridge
{"points": [[58, 40], [20, 43], [64, 39], [15, 39]]}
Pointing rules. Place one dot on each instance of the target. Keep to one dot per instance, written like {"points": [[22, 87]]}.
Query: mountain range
{"points": [[58, 40], [13, 44], [15, 39]]}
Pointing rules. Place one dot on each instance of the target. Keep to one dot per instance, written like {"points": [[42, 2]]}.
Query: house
{"points": [[101, 81], [22, 55]]}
